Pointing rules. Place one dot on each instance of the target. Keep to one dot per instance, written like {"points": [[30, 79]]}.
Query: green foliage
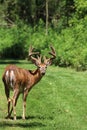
{"points": [[81, 8], [13, 40], [69, 41], [70, 44]]}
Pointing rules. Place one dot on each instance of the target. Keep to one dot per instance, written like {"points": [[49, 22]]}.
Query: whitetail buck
{"points": [[22, 80]]}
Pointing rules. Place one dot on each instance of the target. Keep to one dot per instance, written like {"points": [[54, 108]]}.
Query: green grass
{"points": [[57, 102]]}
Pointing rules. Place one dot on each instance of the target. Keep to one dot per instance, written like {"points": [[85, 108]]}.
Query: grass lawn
{"points": [[57, 102]]}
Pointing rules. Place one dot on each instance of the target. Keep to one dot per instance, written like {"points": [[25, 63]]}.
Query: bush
{"points": [[13, 41], [70, 44]]}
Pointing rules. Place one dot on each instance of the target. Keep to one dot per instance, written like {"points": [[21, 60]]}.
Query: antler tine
{"points": [[53, 53], [37, 60], [48, 61], [31, 51]]}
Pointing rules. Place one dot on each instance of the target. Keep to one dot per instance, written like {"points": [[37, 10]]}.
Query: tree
{"points": [[47, 17]]}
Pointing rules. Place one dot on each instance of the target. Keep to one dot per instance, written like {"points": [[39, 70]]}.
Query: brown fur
{"points": [[23, 81]]}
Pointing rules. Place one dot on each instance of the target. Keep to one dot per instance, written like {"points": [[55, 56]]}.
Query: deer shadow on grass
{"points": [[37, 117], [29, 122], [21, 124]]}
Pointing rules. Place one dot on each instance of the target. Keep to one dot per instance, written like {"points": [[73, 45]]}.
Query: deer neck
{"points": [[37, 76]]}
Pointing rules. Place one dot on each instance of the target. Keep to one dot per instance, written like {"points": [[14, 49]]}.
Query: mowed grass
{"points": [[57, 102]]}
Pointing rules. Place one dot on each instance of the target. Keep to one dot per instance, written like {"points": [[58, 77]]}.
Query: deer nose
{"points": [[43, 71]]}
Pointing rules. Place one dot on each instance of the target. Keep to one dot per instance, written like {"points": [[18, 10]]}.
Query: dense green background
{"points": [[23, 23]]}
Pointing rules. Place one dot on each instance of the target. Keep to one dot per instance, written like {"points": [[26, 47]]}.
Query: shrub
{"points": [[70, 44]]}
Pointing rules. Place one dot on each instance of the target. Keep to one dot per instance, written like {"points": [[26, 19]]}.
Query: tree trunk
{"points": [[46, 17]]}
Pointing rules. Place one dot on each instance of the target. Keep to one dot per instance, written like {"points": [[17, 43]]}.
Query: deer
{"points": [[22, 80]]}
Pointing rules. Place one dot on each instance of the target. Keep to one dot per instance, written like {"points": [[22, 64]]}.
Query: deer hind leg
{"points": [[7, 92], [14, 102]]}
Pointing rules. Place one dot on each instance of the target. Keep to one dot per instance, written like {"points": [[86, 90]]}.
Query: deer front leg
{"points": [[24, 103], [24, 110]]}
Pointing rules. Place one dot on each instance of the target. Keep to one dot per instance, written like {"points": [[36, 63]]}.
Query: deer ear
{"points": [[49, 62]]}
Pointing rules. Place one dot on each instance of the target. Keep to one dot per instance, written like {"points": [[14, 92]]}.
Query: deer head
{"points": [[42, 66]]}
